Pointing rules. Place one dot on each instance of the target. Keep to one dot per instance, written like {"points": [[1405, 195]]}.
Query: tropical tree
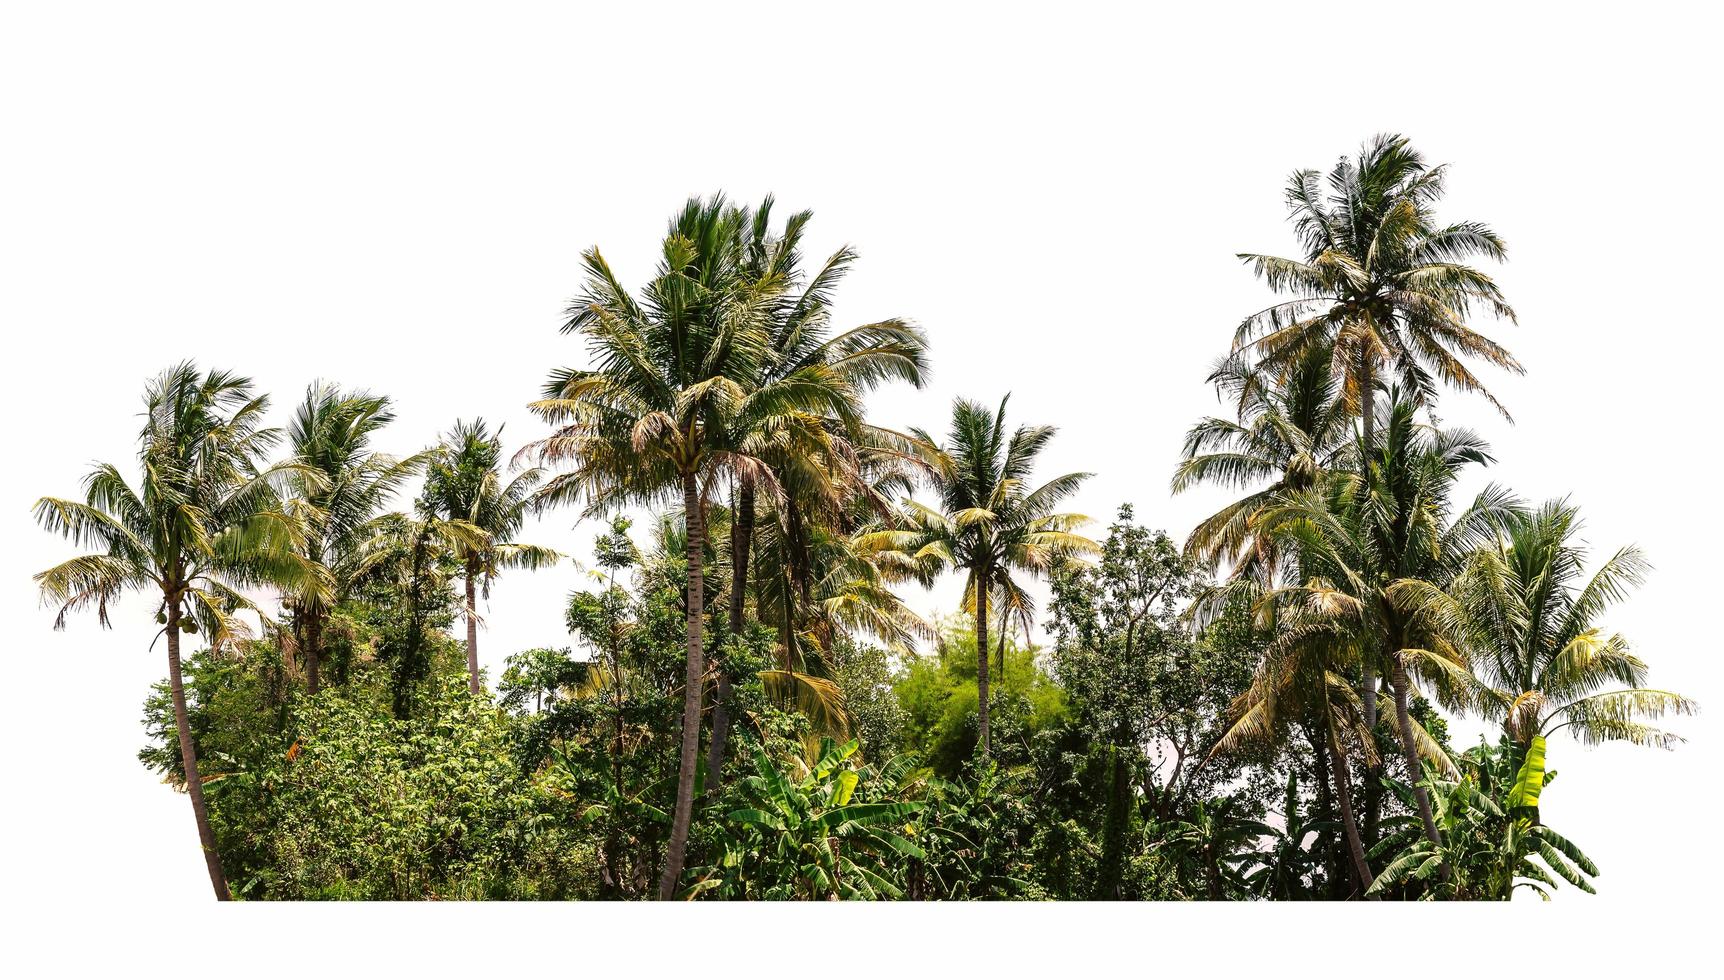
{"points": [[205, 521], [1381, 286], [1530, 614], [1493, 840], [1362, 540], [1292, 429], [414, 559], [812, 464], [343, 487], [671, 387], [1303, 682], [1220, 842], [465, 482], [990, 523]]}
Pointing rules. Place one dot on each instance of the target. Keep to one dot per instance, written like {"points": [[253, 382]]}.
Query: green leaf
{"points": [[1530, 782]]}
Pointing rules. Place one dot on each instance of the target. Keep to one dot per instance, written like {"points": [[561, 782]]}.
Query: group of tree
{"points": [[747, 707]]}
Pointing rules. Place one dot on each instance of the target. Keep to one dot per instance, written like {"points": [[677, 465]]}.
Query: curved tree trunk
{"points": [[189, 757], [741, 543], [1415, 772], [1362, 877], [982, 664], [472, 628], [691, 700]]}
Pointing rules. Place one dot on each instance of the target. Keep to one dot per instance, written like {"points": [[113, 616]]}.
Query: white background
{"points": [[395, 198]]}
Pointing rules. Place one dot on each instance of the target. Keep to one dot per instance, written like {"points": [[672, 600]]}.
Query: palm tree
{"points": [[465, 483], [345, 484], [415, 558], [812, 463], [1381, 287], [990, 523], [205, 522], [1362, 539], [1544, 662], [1303, 679], [1292, 430], [672, 384]]}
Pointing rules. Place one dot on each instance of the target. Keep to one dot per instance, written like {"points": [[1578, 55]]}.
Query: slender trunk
{"points": [[472, 628], [1373, 787], [189, 757], [313, 652], [1118, 816], [1212, 871], [1333, 861], [982, 663], [741, 543], [1344, 802], [1415, 772], [691, 699], [1367, 384]]}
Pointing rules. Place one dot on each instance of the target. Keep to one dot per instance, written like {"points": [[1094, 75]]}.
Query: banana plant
{"points": [[812, 838], [1493, 839]]}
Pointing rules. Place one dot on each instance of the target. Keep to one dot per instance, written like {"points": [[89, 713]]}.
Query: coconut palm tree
{"points": [[1362, 538], [813, 464], [990, 524], [205, 521], [1292, 428], [345, 486], [1544, 663], [464, 482], [672, 384], [1381, 285]]}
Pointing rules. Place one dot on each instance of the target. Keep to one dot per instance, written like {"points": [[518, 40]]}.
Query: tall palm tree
{"points": [[205, 521], [1531, 615], [1292, 429], [658, 413], [990, 523], [1362, 537], [810, 461], [345, 485], [1382, 287], [465, 482]]}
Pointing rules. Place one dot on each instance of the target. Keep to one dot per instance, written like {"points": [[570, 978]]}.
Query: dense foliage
{"points": [[743, 705]]}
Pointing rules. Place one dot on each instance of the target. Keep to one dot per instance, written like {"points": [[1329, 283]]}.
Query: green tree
{"points": [[345, 485], [990, 523], [205, 522], [1361, 540], [1534, 641], [465, 482], [1292, 429], [1382, 287], [660, 410]]}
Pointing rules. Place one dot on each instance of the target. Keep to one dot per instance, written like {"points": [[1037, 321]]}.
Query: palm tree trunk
{"points": [[1362, 877], [741, 543], [472, 628], [981, 579], [1398, 681], [313, 641], [189, 757], [1367, 385], [691, 699]]}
